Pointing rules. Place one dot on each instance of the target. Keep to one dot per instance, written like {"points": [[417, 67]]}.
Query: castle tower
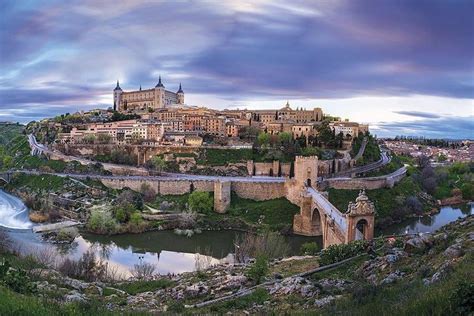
{"points": [[117, 97], [180, 95], [306, 170], [360, 218], [159, 94]]}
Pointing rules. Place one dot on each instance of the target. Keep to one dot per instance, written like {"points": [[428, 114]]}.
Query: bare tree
{"points": [[143, 270]]}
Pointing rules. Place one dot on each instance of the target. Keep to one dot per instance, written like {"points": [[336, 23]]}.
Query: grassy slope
{"points": [[408, 296], [384, 199]]}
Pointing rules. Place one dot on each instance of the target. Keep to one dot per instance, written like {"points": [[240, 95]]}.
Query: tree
{"points": [[158, 163], [285, 138], [104, 138], [200, 202], [263, 139], [259, 269]]}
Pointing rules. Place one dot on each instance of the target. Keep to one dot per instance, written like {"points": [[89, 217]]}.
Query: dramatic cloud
{"points": [[418, 114], [67, 55], [447, 127]]}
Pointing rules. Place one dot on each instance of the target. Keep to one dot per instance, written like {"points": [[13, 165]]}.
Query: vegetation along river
{"points": [[169, 252]]}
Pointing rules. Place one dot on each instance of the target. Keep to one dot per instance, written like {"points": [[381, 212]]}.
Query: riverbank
{"points": [[433, 269]]}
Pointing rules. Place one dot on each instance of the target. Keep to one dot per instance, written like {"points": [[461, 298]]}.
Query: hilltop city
{"points": [[162, 117]]}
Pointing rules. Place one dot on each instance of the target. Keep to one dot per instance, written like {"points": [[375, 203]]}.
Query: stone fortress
{"points": [[147, 100]]}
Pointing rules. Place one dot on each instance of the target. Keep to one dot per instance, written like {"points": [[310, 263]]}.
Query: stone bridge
{"points": [[318, 217]]}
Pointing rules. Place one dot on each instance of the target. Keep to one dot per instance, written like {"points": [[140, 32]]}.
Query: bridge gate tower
{"points": [[360, 219]]}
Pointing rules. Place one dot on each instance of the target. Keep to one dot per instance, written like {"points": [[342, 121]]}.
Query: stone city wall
{"points": [[259, 191], [249, 190], [164, 187], [268, 168], [371, 183]]}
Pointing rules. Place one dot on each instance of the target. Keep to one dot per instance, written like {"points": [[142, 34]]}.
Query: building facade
{"points": [[147, 100]]}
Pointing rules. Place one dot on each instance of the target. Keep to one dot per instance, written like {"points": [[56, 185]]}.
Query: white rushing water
{"points": [[13, 213]]}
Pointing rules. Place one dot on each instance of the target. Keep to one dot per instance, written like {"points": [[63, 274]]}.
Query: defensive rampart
{"points": [[370, 183]]}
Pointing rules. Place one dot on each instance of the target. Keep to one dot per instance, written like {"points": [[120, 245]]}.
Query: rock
{"points": [[45, 286], [278, 276], [93, 290], [308, 290], [324, 301], [75, 284], [75, 296], [393, 277], [453, 251], [232, 282], [45, 273], [442, 271], [196, 289], [415, 244], [470, 236], [428, 239], [332, 285]]}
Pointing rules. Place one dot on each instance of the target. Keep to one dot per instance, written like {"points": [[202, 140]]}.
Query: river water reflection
{"points": [[427, 224], [171, 253]]}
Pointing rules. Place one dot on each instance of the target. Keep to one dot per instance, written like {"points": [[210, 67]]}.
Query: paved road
{"points": [[384, 159]]}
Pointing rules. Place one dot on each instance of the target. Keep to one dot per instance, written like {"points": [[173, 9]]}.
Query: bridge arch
{"points": [[316, 222]]}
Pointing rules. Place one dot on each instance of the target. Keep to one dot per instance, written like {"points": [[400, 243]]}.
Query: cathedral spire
{"points": [[180, 90]]}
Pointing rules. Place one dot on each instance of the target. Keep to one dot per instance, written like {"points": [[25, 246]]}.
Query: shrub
{"points": [[128, 197], [102, 222], [67, 234], [310, 248], [270, 244], [200, 202], [15, 279], [143, 270], [259, 269], [462, 299], [121, 215], [467, 191], [336, 253], [87, 268]]}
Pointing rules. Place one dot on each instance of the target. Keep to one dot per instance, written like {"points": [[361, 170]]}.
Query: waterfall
{"points": [[13, 213]]}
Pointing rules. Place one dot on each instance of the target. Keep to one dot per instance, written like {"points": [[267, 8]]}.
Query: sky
{"points": [[404, 67]]}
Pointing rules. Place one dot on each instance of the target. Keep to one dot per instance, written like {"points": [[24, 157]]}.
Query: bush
{"points": [[87, 268], [259, 269], [336, 253], [102, 222], [143, 270], [67, 234], [467, 191], [200, 202], [310, 248], [462, 299], [15, 279], [270, 244]]}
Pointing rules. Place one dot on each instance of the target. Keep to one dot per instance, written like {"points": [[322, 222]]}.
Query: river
{"points": [[171, 253]]}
